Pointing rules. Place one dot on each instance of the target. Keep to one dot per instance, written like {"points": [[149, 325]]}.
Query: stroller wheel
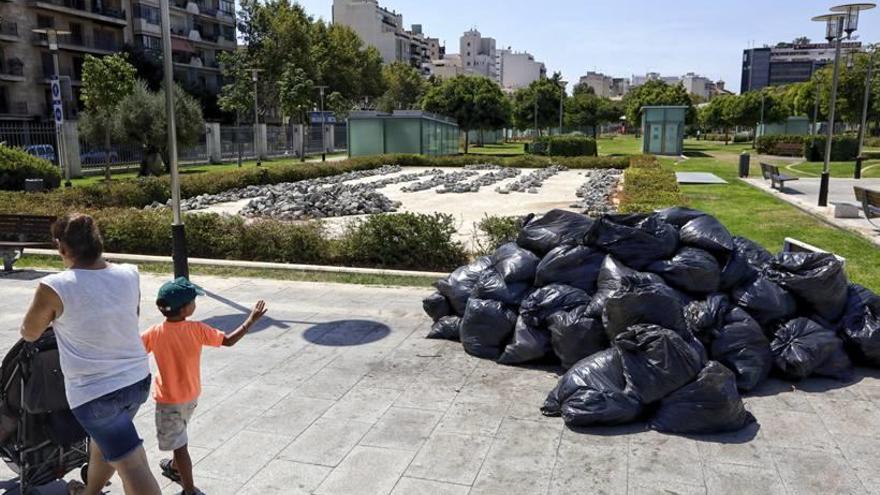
{"points": [[84, 473]]}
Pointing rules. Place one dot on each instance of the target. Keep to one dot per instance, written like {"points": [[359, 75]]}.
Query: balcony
{"points": [[110, 15], [81, 42], [12, 70], [18, 108], [9, 31]]}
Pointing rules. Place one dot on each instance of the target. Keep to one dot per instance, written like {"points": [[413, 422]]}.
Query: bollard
{"points": [[857, 174], [744, 159]]}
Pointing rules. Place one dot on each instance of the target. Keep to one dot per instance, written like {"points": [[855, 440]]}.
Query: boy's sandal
{"points": [[168, 470]]}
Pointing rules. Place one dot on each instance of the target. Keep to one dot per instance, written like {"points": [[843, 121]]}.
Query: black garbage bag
{"points": [[692, 270], [457, 287], [657, 361], [486, 328], [577, 266], [706, 318], [492, 285], [436, 306], [446, 328], [611, 278], [515, 264], [706, 232], [709, 404], [765, 301], [641, 302], [802, 348], [555, 228], [637, 240], [543, 302], [679, 215], [592, 393], [755, 255], [735, 270], [742, 347], [860, 325], [574, 335], [817, 278], [529, 343]]}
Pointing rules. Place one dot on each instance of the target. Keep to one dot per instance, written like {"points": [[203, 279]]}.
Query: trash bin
{"points": [[33, 185], [744, 165]]}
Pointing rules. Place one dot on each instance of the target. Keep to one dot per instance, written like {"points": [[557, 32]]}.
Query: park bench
{"points": [[777, 179], [788, 149], [791, 245], [18, 232], [870, 201]]}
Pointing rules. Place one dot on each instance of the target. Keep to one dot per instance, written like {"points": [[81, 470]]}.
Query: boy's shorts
{"points": [[171, 423]]}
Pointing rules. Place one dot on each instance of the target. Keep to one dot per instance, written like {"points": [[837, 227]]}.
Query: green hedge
{"points": [[563, 146], [648, 187], [726, 138], [843, 148], [769, 145], [16, 166]]}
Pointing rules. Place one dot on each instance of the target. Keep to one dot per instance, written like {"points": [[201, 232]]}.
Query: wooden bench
{"points": [[18, 232], [789, 149], [777, 179], [870, 201]]}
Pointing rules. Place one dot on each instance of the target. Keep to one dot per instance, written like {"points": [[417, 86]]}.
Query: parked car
{"points": [[44, 151], [97, 157]]}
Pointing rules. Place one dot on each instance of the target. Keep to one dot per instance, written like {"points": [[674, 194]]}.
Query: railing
{"points": [[180, 31], [95, 9], [234, 138], [8, 28], [109, 12], [80, 40], [94, 156], [277, 141], [179, 3], [36, 138]]}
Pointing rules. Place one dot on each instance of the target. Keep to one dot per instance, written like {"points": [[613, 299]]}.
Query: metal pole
{"points": [[536, 115], [823, 184], [323, 127], [256, 119], [815, 130], [561, 101], [178, 232], [59, 130], [868, 75], [238, 135]]}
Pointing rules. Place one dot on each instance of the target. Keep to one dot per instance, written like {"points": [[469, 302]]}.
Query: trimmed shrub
{"points": [[780, 145], [843, 148], [726, 138], [644, 161], [16, 166], [493, 231], [563, 146], [646, 189]]}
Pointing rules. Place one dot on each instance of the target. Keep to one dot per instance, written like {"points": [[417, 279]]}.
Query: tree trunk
{"points": [[302, 145], [107, 155]]}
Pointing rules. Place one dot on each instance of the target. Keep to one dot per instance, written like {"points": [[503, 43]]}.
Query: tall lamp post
{"points": [[842, 21], [255, 76], [562, 85], [52, 38], [869, 73], [178, 231], [323, 126]]}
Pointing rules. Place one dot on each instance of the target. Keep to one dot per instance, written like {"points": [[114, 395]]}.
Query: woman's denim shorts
{"points": [[109, 420]]}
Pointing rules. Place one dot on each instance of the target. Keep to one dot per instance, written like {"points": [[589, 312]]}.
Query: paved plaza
{"points": [[337, 392]]}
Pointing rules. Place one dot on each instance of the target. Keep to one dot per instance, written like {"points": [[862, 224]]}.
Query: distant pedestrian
{"points": [[93, 306], [176, 345]]}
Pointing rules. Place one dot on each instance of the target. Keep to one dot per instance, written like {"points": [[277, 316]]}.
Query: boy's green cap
{"points": [[178, 293]]}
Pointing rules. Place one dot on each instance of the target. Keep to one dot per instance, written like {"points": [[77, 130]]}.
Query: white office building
{"points": [[384, 29], [518, 69]]}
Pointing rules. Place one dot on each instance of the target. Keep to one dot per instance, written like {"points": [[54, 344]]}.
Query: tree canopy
{"points": [[654, 93], [584, 109], [475, 102], [405, 87], [542, 96]]}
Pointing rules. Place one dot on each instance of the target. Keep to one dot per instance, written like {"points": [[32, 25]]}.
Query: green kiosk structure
{"points": [[411, 132], [663, 129]]}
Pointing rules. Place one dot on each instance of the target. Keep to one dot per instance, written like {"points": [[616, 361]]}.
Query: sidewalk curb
{"points": [[140, 258]]}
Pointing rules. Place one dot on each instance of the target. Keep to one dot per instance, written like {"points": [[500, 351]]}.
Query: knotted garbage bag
{"points": [[491, 285], [706, 318], [679, 215], [515, 264], [641, 301], [741, 346], [735, 270], [706, 232], [816, 278], [592, 393], [657, 361], [446, 328], [574, 335], [709, 404], [555, 228], [635, 239], [457, 287], [436, 306], [611, 278], [574, 265], [766, 301], [755, 255], [530, 343], [545, 301], [486, 328], [802, 348], [692, 270], [860, 326]]}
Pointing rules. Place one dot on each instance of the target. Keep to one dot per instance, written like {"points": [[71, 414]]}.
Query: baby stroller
{"points": [[40, 440]]}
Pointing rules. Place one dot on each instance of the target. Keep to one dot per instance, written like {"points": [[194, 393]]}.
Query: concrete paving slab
{"points": [[408, 486], [451, 458], [366, 471], [286, 478], [402, 429], [326, 442]]}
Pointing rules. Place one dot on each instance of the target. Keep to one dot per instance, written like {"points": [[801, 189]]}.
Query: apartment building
{"points": [[479, 55], [201, 30], [606, 86], [518, 69], [384, 30]]}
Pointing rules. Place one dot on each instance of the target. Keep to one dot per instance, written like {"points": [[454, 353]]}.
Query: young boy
{"points": [[177, 345]]}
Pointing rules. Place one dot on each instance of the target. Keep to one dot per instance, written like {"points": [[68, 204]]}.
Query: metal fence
{"points": [[93, 156], [235, 140], [340, 137], [279, 141], [38, 139]]}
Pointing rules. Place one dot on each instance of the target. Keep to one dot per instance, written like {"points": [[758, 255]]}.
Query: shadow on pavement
{"points": [[23, 275], [343, 333], [10, 487], [230, 322]]}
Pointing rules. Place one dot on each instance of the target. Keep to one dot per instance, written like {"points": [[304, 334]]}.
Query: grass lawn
{"points": [[54, 263], [197, 169], [751, 213], [498, 149], [694, 147], [619, 145]]}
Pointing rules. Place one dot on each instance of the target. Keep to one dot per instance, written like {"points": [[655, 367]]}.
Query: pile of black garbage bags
{"points": [[664, 317]]}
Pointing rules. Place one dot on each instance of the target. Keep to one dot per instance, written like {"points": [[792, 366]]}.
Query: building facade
{"points": [[518, 69], [606, 86], [479, 55], [445, 68], [384, 30], [787, 63]]}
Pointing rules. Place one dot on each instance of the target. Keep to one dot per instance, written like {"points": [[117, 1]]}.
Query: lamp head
{"points": [[851, 11], [834, 24]]}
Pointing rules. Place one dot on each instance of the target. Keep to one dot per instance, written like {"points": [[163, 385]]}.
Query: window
{"points": [[44, 21], [76, 33], [228, 32], [148, 13], [48, 67], [78, 68], [227, 7], [150, 42]]}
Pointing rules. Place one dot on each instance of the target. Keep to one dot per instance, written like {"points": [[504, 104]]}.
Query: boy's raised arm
{"points": [[258, 312]]}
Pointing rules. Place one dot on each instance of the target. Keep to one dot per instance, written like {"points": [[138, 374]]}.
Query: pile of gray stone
{"points": [[444, 179], [496, 175], [597, 190], [399, 179], [531, 182], [289, 202]]}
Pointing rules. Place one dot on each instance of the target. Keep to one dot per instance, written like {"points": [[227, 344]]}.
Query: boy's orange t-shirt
{"points": [[177, 348]]}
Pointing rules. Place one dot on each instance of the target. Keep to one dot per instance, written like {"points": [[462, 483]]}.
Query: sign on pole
{"points": [[57, 106]]}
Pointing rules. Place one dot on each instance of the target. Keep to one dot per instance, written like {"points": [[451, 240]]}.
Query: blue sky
{"points": [[623, 37]]}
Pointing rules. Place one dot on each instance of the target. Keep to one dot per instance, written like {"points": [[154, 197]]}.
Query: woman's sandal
{"points": [[168, 470]]}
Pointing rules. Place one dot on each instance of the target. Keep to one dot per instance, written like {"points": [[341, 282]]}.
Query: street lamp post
{"points": [[561, 103], [862, 125], [52, 39], [323, 126], [536, 115], [814, 129], [178, 230], [255, 77]]}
